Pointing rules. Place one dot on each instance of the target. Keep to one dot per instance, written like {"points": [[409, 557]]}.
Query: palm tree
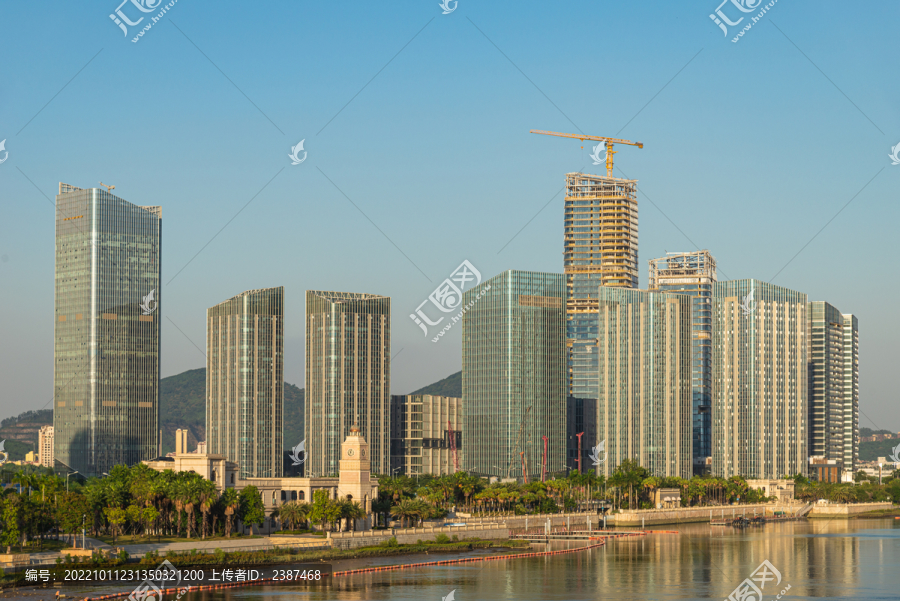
{"points": [[190, 494], [468, 484], [231, 502], [651, 484], [177, 493], [405, 510], [617, 481], [207, 495], [293, 513], [160, 500], [352, 511]]}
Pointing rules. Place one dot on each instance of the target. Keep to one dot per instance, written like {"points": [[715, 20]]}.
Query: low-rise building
{"points": [[354, 481], [824, 470], [668, 498], [426, 434], [781, 489]]}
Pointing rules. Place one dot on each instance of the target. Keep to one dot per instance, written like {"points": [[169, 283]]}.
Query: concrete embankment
{"points": [[409, 536], [837, 510], [655, 517]]}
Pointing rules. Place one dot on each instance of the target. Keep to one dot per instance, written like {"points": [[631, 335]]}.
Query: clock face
{"points": [[350, 452], [362, 453]]}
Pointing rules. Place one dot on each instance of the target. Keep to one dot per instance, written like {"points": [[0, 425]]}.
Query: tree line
{"points": [[145, 503], [136, 500]]}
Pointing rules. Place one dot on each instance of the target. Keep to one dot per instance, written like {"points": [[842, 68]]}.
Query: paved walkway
{"points": [[202, 546]]}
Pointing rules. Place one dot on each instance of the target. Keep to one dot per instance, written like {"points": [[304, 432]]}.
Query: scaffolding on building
{"points": [[675, 265]]}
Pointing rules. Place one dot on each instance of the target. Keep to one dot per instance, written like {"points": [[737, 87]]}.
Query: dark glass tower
{"points": [[245, 381], [694, 274], [106, 330]]}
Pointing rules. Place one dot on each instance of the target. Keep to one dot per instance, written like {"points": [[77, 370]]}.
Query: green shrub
{"points": [[391, 542], [455, 538], [441, 539], [220, 555]]}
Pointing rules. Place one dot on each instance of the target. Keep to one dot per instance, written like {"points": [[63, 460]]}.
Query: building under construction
{"points": [[426, 434], [601, 249]]}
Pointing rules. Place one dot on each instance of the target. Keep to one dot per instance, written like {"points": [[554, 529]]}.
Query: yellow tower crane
{"points": [[609, 144]]}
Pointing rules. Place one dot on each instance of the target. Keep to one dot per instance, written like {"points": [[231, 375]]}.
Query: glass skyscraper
{"points": [[759, 404], [514, 374], [644, 380], [106, 330], [694, 273], [600, 249], [245, 382], [348, 377]]}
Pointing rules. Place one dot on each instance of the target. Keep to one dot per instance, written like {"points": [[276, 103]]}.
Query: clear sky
{"points": [[416, 127]]}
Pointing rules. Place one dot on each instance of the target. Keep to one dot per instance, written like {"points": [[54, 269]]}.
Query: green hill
{"points": [[21, 432], [16, 449], [870, 451], [182, 405], [449, 386], [870, 432]]}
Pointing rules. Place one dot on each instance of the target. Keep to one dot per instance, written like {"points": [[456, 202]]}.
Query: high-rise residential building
{"points": [[850, 399], [245, 381], [694, 273], [426, 434], [600, 249], [45, 446], [759, 408], [514, 375], [348, 377], [644, 379], [106, 330], [825, 384]]}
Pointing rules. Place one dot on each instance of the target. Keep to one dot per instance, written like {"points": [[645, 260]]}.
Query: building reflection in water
{"points": [[817, 558]]}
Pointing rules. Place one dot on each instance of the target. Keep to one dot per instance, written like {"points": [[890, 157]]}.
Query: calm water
{"points": [[819, 559]]}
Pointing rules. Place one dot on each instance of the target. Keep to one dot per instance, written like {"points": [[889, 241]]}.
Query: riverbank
{"points": [[338, 558], [878, 514]]}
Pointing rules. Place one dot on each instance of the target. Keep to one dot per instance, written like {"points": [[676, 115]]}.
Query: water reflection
{"points": [[819, 559]]}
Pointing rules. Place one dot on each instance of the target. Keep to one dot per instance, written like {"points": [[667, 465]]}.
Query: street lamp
{"points": [[67, 479]]}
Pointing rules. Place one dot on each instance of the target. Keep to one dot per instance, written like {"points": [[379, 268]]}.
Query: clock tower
{"points": [[354, 467]]}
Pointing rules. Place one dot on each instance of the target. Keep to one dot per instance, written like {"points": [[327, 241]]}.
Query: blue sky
{"points": [[416, 127]]}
